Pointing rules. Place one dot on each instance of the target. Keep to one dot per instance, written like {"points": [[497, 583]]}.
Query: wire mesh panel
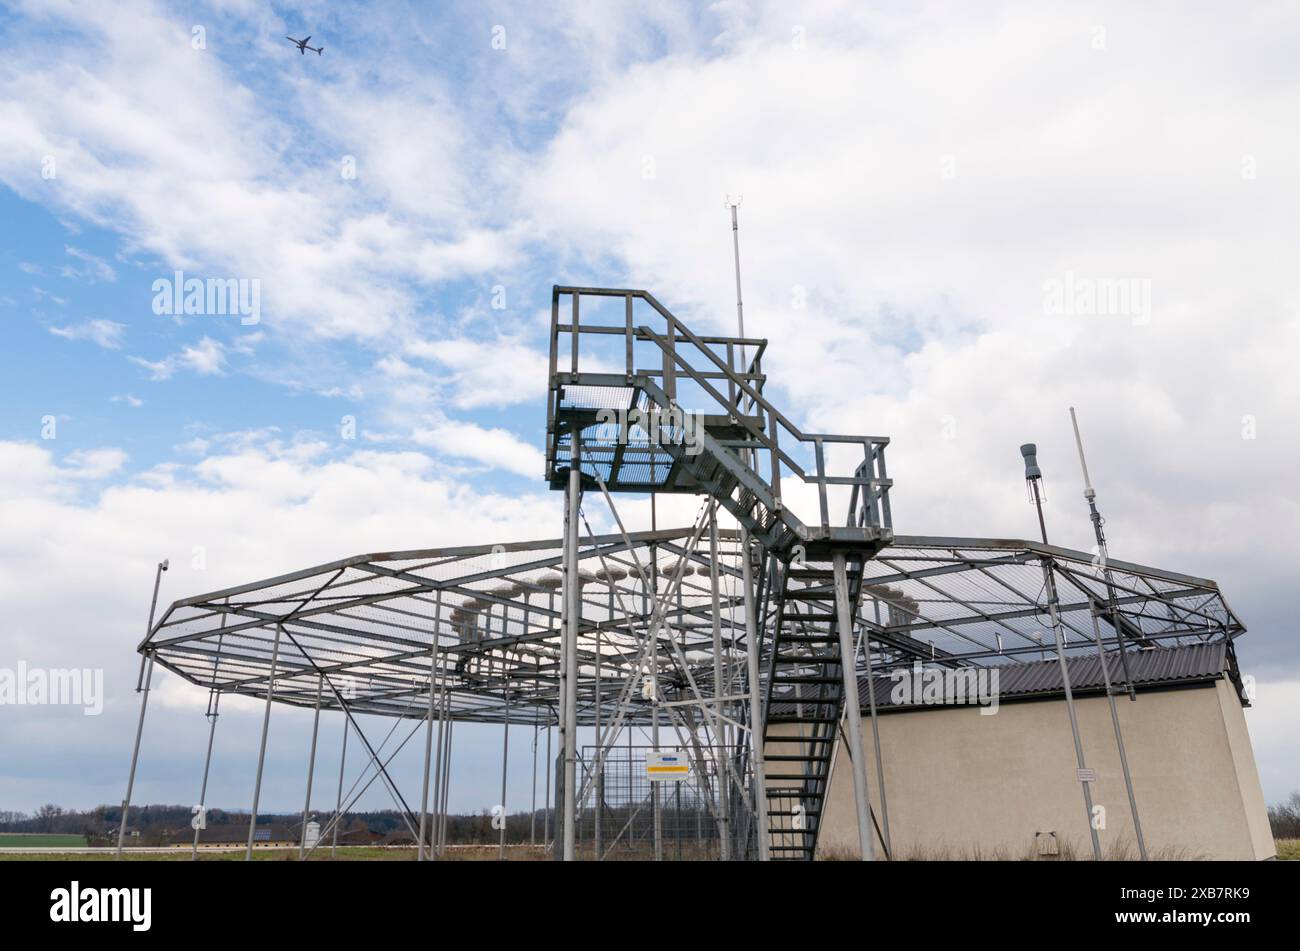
{"points": [[623, 826]]}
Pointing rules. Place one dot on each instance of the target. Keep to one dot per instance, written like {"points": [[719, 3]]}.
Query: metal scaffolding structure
{"points": [[709, 639]]}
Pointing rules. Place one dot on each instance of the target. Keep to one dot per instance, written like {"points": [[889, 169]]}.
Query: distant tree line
{"points": [[155, 822], [1284, 818]]}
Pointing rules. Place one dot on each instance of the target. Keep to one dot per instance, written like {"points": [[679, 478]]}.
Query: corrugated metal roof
{"points": [[1190, 663]]}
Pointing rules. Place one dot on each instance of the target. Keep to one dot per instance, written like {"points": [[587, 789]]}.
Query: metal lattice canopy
{"points": [[366, 623]]}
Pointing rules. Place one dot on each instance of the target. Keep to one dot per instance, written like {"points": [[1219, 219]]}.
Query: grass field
{"points": [[351, 854], [1287, 849], [9, 840]]}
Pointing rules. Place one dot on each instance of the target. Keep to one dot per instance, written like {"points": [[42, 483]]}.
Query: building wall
{"points": [[960, 784]]}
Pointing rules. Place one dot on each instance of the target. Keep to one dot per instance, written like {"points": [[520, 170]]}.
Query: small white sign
{"points": [[666, 766], [1087, 775]]}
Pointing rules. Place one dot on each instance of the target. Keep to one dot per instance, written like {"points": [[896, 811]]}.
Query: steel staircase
{"points": [[687, 414], [805, 701]]}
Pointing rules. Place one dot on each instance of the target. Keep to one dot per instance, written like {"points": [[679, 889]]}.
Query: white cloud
{"points": [[94, 463], [207, 358], [77, 565], [1272, 719], [491, 446], [124, 106], [912, 179], [87, 267], [485, 373], [105, 333], [133, 401]]}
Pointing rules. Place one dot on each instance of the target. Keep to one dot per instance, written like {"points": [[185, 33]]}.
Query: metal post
{"points": [[875, 733], [440, 759], [144, 702], [338, 807], [446, 788], [311, 767], [848, 671], [569, 652], [428, 733], [1119, 738], [214, 702], [550, 806], [600, 746], [1034, 476], [719, 691], [261, 756], [532, 820], [654, 701], [505, 762], [1090, 494]]}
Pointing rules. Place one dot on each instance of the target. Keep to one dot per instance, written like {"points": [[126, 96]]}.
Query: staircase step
{"points": [[817, 679], [796, 778], [791, 813], [795, 758], [792, 718], [809, 638]]}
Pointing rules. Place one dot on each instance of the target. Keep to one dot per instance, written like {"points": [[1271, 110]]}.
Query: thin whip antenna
{"points": [[1088, 492], [735, 241]]}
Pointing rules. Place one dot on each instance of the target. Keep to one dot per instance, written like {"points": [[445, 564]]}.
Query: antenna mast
{"points": [[1090, 494]]}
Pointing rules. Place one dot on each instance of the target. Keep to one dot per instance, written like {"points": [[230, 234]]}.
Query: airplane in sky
{"points": [[303, 47]]}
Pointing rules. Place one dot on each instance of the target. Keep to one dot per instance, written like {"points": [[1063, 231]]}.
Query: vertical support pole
{"points": [[848, 671], [338, 802], [573, 601], [756, 723], [875, 733], [550, 806], [215, 702], [144, 702], [655, 803], [1058, 636], [446, 787], [600, 746], [1053, 605], [311, 767], [720, 751], [428, 729], [261, 756], [135, 755], [1119, 737], [532, 821], [505, 761]]}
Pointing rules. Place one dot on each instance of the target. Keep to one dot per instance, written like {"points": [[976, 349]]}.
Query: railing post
{"points": [[821, 482], [627, 337], [670, 365], [573, 333]]}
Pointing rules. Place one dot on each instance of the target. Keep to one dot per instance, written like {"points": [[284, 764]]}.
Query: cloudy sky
{"points": [[919, 183]]}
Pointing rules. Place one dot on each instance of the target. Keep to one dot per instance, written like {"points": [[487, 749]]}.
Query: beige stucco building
{"points": [[967, 782]]}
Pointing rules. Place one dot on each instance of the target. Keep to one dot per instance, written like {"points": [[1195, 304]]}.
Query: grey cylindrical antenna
{"points": [[1088, 492], [1030, 452], [740, 307]]}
